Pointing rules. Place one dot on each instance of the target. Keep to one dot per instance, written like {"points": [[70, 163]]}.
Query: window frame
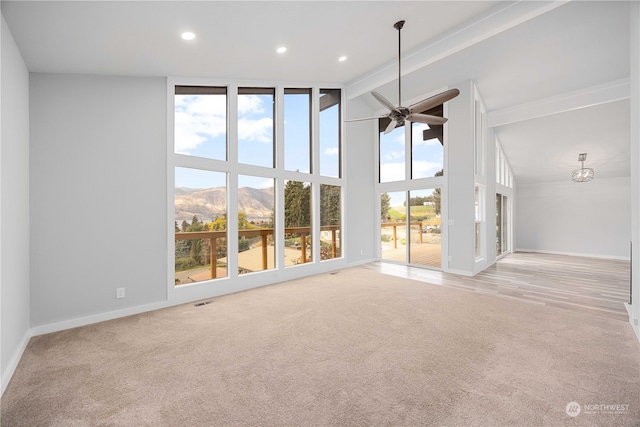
{"points": [[234, 282]]}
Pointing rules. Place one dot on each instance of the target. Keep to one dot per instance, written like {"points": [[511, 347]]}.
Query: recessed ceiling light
{"points": [[188, 35], [281, 49], [342, 58]]}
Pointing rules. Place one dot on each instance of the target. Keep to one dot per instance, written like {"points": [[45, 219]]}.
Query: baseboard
{"points": [[633, 321], [13, 363], [360, 262], [102, 317], [538, 251]]}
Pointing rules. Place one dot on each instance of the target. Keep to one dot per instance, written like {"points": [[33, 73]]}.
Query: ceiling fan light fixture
{"points": [[583, 174]]}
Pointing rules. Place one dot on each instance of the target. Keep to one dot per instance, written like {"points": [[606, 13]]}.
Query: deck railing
{"points": [[395, 225], [213, 236]]}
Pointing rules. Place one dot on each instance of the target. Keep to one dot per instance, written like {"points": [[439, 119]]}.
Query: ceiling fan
{"points": [[398, 115]]}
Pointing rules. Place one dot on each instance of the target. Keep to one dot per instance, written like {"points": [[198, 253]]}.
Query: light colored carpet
{"points": [[351, 348]]}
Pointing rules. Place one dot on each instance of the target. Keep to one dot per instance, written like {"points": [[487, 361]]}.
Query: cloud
{"points": [[333, 151], [250, 104], [392, 155], [392, 172], [197, 119], [424, 169], [260, 130]]}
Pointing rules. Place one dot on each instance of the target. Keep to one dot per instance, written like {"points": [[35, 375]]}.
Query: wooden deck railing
{"points": [[213, 236], [400, 224]]}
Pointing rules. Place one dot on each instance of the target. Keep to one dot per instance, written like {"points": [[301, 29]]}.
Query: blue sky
{"points": [[200, 130], [427, 156]]}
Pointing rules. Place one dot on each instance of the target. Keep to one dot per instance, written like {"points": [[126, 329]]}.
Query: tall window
{"points": [[256, 213], [392, 153], [479, 217], [330, 150], [200, 225], [502, 224], [393, 226], [297, 130], [229, 171], [255, 126], [297, 223], [425, 242], [330, 221]]}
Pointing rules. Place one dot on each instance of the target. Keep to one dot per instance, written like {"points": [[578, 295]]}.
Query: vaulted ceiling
{"points": [[554, 76]]}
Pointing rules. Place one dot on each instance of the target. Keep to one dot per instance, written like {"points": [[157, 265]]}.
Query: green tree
{"points": [[329, 205], [185, 225], [385, 205], [436, 196], [297, 204]]}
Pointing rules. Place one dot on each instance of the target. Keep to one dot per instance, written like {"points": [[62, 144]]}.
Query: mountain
{"points": [[207, 204]]}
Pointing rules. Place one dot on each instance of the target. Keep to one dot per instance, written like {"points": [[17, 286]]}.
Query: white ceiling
{"points": [[528, 59]]}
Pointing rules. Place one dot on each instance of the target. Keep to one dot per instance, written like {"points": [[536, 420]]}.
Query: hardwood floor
{"points": [[588, 285]]}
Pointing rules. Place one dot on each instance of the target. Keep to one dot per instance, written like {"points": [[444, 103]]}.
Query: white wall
{"points": [[98, 194], [459, 196], [14, 178], [591, 219], [361, 185], [634, 54]]}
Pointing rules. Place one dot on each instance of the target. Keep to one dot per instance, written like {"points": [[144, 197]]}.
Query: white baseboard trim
{"points": [[96, 318], [538, 251], [13, 363], [633, 320]]}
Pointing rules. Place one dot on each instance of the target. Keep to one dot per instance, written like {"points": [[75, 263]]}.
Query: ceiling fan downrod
{"points": [[398, 26]]}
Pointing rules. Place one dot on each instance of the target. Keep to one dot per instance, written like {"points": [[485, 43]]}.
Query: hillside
{"points": [[210, 203]]}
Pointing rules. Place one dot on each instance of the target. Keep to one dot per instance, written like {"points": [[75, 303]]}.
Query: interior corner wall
{"points": [[98, 195], [584, 219], [14, 194], [360, 191]]}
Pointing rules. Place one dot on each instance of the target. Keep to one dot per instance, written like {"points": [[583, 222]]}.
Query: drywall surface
{"points": [[14, 155], [591, 218], [98, 194]]}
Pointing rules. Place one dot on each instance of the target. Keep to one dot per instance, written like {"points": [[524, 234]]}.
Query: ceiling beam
{"points": [[589, 97], [501, 18]]}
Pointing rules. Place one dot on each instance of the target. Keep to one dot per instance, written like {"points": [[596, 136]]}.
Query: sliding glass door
{"points": [[410, 227]]}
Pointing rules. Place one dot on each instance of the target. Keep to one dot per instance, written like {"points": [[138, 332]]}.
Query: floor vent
{"points": [[200, 304]]}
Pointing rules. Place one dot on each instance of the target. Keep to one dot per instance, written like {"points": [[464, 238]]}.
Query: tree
{"points": [[436, 196], [297, 204], [385, 205], [185, 225], [329, 205]]}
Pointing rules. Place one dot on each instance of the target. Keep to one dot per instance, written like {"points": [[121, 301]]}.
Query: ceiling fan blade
{"points": [[392, 126], [365, 118], [427, 119], [384, 101], [434, 101]]}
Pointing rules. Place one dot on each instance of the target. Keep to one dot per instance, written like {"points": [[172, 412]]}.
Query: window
{"points": [[229, 170], [255, 126], [393, 226], [297, 223], [297, 130], [502, 224], [330, 221], [200, 121], [200, 222], [479, 214], [330, 150], [425, 242], [256, 213], [392, 153]]}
